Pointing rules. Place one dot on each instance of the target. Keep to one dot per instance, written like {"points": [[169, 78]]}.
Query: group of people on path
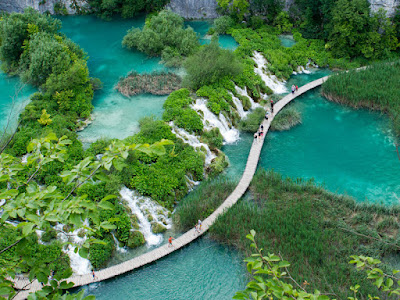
{"points": [[260, 132], [295, 88], [197, 229]]}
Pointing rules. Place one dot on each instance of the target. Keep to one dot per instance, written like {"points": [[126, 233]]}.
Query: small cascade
{"points": [[271, 81], [24, 158], [79, 265], [39, 234], [140, 206], [191, 183], [210, 121], [117, 247], [239, 107], [243, 92], [193, 141]]}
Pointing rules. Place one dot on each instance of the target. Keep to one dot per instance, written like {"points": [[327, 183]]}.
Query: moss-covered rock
{"points": [[218, 164], [157, 227], [136, 239]]}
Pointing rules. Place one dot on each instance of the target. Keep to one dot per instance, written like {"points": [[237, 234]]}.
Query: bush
{"points": [[49, 235], [163, 34], [286, 119], [213, 138], [209, 65], [157, 228], [136, 239], [253, 120], [100, 254], [223, 24]]}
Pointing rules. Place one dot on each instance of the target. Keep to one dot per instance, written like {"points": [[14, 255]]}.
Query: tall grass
{"points": [[313, 229], [202, 202], [286, 119], [377, 87]]}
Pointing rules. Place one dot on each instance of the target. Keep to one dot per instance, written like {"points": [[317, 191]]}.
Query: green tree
{"points": [[165, 35], [236, 8], [266, 8], [210, 64]]}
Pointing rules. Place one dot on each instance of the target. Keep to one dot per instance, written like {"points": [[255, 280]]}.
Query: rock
{"points": [[194, 9], [157, 228], [71, 6], [135, 239]]}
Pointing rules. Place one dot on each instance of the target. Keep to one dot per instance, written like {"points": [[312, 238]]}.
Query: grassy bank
{"points": [[286, 119], [377, 87], [315, 230], [156, 84], [202, 202]]}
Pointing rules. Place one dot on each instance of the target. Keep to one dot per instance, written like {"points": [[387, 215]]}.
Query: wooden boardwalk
{"points": [[189, 236]]}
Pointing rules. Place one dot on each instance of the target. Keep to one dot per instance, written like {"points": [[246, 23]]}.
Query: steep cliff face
{"points": [[194, 9], [42, 5], [388, 5]]}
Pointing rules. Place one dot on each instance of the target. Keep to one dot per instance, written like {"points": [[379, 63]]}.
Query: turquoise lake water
{"points": [[204, 270], [115, 115], [13, 97], [287, 40]]}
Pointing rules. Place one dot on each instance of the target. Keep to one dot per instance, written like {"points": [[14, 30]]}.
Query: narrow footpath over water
{"points": [[189, 236]]}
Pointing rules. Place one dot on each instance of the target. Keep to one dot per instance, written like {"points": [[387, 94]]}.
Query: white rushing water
{"points": [[243, 92], [141, 205], [210, 121], [117, 247], [79, 265], [239, 107], [277, 86], [193, 141], [191, 183]]}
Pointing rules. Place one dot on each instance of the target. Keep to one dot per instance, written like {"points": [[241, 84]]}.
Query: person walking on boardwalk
{"points": [[272, 104], [297, 88], [170, 241], [196, 229], [94, 275], [293, 88], [199, 223]]}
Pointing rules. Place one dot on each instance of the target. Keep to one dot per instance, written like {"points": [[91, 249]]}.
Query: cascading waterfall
{"points": [[271, 81], [141, 205], [243, 92], [210, 121], [191, 183], [117, 247], [79, 265], [193, 141], [239, 107]]}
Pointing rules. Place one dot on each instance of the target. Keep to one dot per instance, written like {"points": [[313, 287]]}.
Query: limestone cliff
{"points": [[194, 9], [71, 6]]}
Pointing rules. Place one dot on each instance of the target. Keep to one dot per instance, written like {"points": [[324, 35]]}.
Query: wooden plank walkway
{"points": [[190, 235]]}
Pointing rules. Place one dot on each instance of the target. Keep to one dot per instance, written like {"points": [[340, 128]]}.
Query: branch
{"points": [[80, 183], [9, 247]]}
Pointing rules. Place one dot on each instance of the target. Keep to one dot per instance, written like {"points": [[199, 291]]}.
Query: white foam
{"points": [[243, 92], [193, 141], [79, 265], [139, 205], [270, 80], [117, 247], [210, 121], [239, 107]]}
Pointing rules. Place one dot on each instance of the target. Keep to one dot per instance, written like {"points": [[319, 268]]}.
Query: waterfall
{"points": [[24, 158], [140, 205], [271, 81], [79, 265], [239, 107], [243, 92], [210, 121], [193, 141], [191, 183], [117, 247]]}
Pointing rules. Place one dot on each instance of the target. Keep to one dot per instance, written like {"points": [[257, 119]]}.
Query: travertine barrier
{"points": [[191, 235]]}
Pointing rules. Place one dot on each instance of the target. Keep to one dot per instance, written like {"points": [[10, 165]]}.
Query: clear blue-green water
{"points": [[13, 97], [203, 270], [348, 151], [115, 115], [287, 40]]}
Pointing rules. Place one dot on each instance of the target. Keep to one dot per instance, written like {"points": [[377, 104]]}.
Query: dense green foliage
{"points": [[317, 231], [213, 138], [376, 87], [223, 24], [31, 47], [176, 108], [253, 120], [126, 8], [210, 64], [100, 253], [200, 203], [163, 34], [286, 119]]}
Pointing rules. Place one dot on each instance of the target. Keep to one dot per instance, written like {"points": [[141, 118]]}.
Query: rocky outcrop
{"points": [[194, 9], [51, 6], [388, 5]]}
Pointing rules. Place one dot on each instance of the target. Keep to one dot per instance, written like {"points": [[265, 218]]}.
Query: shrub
{"points": [[100, 254], [209, 65], [253, 120], [223, 24], [213, 138], [157, 228], [136, 239], [286, 119]]}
